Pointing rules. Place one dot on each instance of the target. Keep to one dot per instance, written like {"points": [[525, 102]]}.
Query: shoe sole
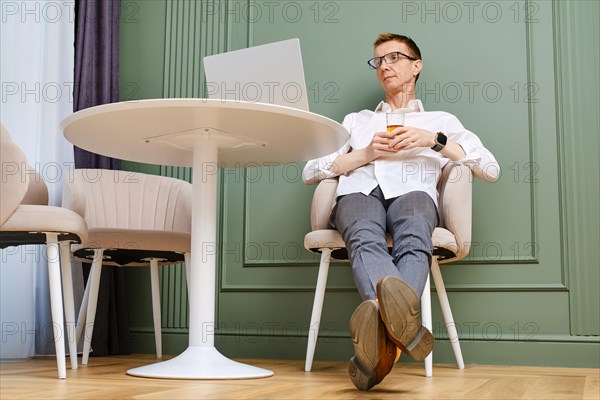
{"points": [[401, 314], [372, 360]]}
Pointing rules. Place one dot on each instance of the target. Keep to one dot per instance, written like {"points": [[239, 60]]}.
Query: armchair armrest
{"points": [[37, 192], [322, 203], [455, 204]]}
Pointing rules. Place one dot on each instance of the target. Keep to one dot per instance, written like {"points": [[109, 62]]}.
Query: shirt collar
{"points": [[414, 105]]}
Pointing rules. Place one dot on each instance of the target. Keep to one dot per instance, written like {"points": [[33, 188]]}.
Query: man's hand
{"points": [[406, 138], [381, 145]]}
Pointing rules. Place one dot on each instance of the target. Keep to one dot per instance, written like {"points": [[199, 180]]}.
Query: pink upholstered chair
{"points": [[451, 243], [26, 218], [134, 219]]}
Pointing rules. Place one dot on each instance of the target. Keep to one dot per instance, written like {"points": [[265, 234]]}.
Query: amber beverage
{"points": [[394, 120]]}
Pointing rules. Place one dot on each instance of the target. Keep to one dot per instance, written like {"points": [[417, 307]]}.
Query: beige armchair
{"points": [[451, 243], [26, 218], [134, 219]]}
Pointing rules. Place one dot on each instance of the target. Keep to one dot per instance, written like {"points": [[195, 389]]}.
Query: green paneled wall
{"points": [[530, 284], [578, 123]]}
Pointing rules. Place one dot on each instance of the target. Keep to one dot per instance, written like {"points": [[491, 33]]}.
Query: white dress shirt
{"points": [[407, 170]]}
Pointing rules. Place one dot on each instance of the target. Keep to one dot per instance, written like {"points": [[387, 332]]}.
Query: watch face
{"points": [[441, 138]]}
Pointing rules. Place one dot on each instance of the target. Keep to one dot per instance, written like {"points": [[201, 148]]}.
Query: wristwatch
{"points": [[440, 141]]}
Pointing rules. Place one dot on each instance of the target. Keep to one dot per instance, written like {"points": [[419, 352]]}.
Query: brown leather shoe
{"points": [[374, 352], [401, 313]]}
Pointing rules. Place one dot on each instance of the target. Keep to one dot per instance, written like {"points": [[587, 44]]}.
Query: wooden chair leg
{"points": [[156, 306], [447, 312], [315, 319], [69, 302], [56, 301], [427, 322]]}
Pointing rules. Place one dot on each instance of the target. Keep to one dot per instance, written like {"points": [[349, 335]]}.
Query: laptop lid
{"points": [[270, 73]]}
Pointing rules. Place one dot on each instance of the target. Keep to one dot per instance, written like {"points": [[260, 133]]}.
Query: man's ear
{"points": [[417, 67]]}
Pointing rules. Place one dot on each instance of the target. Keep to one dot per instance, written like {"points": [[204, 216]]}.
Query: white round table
{"points": [[205, 135]]}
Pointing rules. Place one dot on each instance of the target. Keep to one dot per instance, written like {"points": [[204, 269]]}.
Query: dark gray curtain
{"points": [[97, 82]]}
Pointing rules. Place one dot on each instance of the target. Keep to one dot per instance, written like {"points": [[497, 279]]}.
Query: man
{"points": [[387, 182]]}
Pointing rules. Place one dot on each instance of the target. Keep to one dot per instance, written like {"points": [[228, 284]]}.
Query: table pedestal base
{"points": [[200, 363]]}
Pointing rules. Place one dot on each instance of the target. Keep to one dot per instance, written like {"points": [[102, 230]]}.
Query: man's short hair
{"points": [[412, 46]]}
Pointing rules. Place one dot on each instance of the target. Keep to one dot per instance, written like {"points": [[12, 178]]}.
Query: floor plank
{"points": [[105, 378]]}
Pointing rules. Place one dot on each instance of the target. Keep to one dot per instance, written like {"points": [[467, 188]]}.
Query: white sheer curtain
{"points": [[37, 84]]}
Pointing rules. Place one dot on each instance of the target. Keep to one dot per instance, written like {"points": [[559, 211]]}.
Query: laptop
{"points": [[270, 73]]}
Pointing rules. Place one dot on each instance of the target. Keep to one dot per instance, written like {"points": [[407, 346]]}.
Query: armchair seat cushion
{"points": [[444, 243], [326, 238], [21, 226], [134, 242]]}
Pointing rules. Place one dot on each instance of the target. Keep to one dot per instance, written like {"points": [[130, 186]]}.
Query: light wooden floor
{"points": [[105, 378]]}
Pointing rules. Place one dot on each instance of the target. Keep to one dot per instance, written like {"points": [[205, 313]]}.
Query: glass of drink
{"points": [[394, 120]]}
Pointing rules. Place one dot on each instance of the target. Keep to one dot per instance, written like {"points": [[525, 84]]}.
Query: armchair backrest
{"points": [[128, 200], [14, 180], [454, 204]]}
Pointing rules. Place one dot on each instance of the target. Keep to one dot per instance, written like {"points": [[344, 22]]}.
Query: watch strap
{"points": [[440, 141]]}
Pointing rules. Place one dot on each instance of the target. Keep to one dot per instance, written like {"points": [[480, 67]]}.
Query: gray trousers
{"points": [[363, 222]]}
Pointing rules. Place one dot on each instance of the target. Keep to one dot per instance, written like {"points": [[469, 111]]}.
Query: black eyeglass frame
{"points": [[382, 58]]}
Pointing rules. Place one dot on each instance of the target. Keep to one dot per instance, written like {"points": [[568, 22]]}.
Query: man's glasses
{"points": [[389, 58]]}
